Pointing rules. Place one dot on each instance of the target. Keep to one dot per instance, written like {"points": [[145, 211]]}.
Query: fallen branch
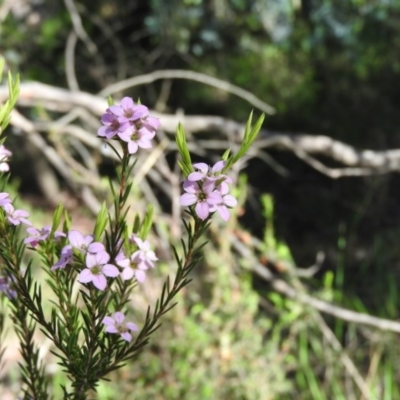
{"points": [[356, 162], [328, 308]]}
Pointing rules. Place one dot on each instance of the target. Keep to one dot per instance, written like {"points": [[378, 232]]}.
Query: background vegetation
{"points": [[328, 67]]}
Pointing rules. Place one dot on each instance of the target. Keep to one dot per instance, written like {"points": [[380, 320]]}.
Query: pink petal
{"points": [[140, 275], [208, 185], [111, 329], [96, 247], [214, 198], [230, 201], [202, 210], [110, 270], [119, 317], [151, 256], [107, 118], [110, 133], [132, 147], [153, 122], [127, 103], [137, 240], [91, 260], [117, 110], [195, 176], [75, 238], [224, 213], [187, 199], [120, 256], [99, 281], [223, 188], [124, 263], [126, 336], [102, 257], [140, 111], [148, 134], [218, 166], [190, 187], [108, 321], [203, 167], [131, 326], [144, 143], [127, 273], [85, 276]]}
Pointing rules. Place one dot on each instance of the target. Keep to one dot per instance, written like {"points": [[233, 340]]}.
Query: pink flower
{"points": [[84, 244], [204, 197], [206, 172], [37, 236], [97, 270], [116, 324], [136, 138], [227, 201], [16, 217], [144, 255], [132, 267], [127, 111], [111, 125], [67, 256]]}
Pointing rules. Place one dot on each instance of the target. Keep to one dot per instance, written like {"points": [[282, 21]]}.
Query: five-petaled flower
{"points": [[116, 324], [97, 270], [37, 236], [84, 244], [143, 255], [204, 196], [132, 267], [67, 256], [16, 217], [209, 173]]}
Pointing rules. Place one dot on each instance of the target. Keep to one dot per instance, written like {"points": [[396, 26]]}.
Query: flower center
{"points": [[133, 265], [115, 125], [96, 270], [202, 196], [135, 137]]}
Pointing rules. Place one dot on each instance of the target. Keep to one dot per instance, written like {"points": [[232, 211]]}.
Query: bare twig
{"points": [[284, 288], [193, 76], [344, 357], [70, 61], [78, 27]]}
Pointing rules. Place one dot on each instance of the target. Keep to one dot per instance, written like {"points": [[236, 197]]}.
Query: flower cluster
{"points": [[130, 123], [98, 266], [208, 190], [37, 236], [97, 261]]}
